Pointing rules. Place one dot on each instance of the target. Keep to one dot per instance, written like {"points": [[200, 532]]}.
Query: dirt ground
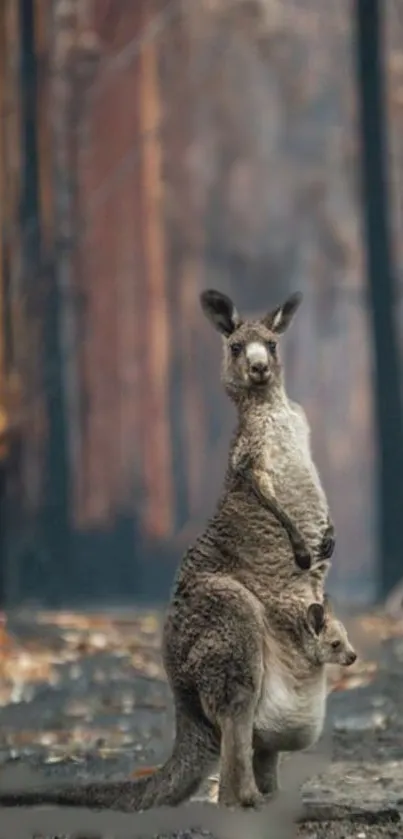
{"points": [[85, 695], [332, 830]]}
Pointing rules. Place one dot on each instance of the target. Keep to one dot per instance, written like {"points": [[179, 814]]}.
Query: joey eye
{"points": [[236, 350], [272, 347], [336, 645]]}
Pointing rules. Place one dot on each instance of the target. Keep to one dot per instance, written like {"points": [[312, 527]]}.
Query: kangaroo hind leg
{"points": [[227, 674]]}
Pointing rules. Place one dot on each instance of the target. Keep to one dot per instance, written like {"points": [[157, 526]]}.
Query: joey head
{"points": [[325, 638]]}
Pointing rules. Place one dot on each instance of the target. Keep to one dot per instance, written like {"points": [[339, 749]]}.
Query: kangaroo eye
{"points": [[236, 350], [336, 645], [272, 347]]}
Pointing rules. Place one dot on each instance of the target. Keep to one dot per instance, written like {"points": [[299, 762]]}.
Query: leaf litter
{"points": [[95, 663], [56, 650]]}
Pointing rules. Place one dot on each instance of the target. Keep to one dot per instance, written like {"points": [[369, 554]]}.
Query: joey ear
{"points": [[316, 617], [320, 569], [279, 319], [220, 310]]}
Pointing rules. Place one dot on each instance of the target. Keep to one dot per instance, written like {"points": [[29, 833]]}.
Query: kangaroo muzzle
{"points": [[258, 362]]}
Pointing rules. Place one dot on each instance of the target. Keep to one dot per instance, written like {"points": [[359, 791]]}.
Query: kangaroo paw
{"points": [[248, 796], [328, 543], [303, 558]]}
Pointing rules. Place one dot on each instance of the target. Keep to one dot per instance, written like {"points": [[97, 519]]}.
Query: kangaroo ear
{"points": [[316, 617], [320, 569], [220, 310], [280, 318]]}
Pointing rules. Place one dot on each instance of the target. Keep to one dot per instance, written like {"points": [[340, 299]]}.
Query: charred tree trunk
{"points": [[58, 342], [381, 288]]}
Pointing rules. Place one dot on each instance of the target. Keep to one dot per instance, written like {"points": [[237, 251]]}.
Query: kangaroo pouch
{"points": [[290, 712]]}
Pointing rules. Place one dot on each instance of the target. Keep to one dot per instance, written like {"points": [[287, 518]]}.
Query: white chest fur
{"points": [[288, 437], [288, 461], [290, 718]]}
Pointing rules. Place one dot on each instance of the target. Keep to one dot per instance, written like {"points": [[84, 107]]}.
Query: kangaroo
{"points": [[215, 634], [251, 358], [289, 715], [270, 466]]}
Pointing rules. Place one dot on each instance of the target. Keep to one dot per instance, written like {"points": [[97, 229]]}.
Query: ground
{"points": [[84, 695]]}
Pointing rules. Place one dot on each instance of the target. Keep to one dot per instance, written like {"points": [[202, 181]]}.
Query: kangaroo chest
{"points": [[293, 474], [288, 719]]}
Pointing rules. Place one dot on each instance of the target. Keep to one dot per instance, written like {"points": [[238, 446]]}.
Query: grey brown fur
{"points": [[244, 471], [241, 607]]}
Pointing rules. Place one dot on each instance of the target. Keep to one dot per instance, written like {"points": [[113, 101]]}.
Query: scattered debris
{"points": [[367, 721]]}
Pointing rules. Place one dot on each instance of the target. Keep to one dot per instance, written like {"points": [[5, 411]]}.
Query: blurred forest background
{"points": [[149, 149]]}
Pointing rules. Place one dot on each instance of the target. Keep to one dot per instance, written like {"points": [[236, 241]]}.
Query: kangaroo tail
{"points": [[174, 782], [108, 795]]}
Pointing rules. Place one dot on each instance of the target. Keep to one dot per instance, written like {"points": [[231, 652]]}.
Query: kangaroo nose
{"points": [[259, 367], [351, 658]]}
